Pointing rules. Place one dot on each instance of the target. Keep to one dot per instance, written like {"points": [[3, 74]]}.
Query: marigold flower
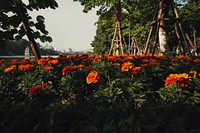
{"points": [[69, 69], [2, 63], [145, 61], [9, 69], [136, 70], [183, 58], [153, 62], [14, 62], [128, 59], [196, 60], [117, 65], [89, 67], [26, 67], [177, 78], [48, 68], [42, 62], [92, 77], [26, 61], [35, 90], [126, 66], [53, 62]]}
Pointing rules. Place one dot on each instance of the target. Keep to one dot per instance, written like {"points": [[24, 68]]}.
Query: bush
{"points": [[102, 93]]}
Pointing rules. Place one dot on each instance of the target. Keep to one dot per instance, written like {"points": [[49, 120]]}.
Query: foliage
{"points": [[12, 12], [100, 93], [190, 14], [140, 16]]}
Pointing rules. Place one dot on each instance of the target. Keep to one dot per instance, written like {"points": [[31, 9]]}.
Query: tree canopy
{"points": [[140, 16], [15, 21]]}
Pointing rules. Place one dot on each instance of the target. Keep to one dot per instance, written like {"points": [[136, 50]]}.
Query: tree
{"points": [[191, 16], [140, 14], [16, 22]]}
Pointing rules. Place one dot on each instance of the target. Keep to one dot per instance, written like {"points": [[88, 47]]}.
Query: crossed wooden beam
{"points": [[156, 24]]}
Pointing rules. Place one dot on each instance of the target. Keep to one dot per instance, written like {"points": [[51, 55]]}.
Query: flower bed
{"points": [[101, 93]]}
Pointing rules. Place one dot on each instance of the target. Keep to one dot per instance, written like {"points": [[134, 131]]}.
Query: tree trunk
{"points": [[28, 32], [162, 33]]}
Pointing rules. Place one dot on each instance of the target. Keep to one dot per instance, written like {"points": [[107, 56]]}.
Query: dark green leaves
{"points": [[12, 13]]}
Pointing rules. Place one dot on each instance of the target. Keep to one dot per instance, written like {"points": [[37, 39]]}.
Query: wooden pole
{"points": [[117, 45], [186, 46], [151, 31]]}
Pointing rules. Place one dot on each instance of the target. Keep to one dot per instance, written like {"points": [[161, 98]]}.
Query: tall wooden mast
{"points": [[159, 25], [118, 41]]}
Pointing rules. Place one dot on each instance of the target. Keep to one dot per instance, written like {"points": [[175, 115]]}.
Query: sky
{"points": [[68, 26]]}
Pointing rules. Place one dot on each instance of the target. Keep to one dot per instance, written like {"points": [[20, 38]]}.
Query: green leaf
{"points": [[40, 18]]}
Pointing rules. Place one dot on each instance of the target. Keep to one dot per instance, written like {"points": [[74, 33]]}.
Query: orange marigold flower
{"points": [[92, 77], [26, 67], [153, 62], [35, 90], [9, 69], [145, 61], [48, 68], [183, 58], [42, 62], [128, 58], [14, 62], [177, 78], [136, 70], [126, 66], [144, 65], [53, 62]]}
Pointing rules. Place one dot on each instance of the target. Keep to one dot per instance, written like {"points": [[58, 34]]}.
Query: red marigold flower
{"points": [[9, 69], [144, 65], [177, 78], [89, 67], [14, 62], [26, 67], [92, 77], [26, 61], [196, 60], [67, 70], [182, 58], [36, 89], [2, 63], [126, 66], [136, 70]]}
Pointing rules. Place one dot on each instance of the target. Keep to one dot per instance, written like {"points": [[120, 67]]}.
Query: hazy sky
{"points": [[69, 26]]}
